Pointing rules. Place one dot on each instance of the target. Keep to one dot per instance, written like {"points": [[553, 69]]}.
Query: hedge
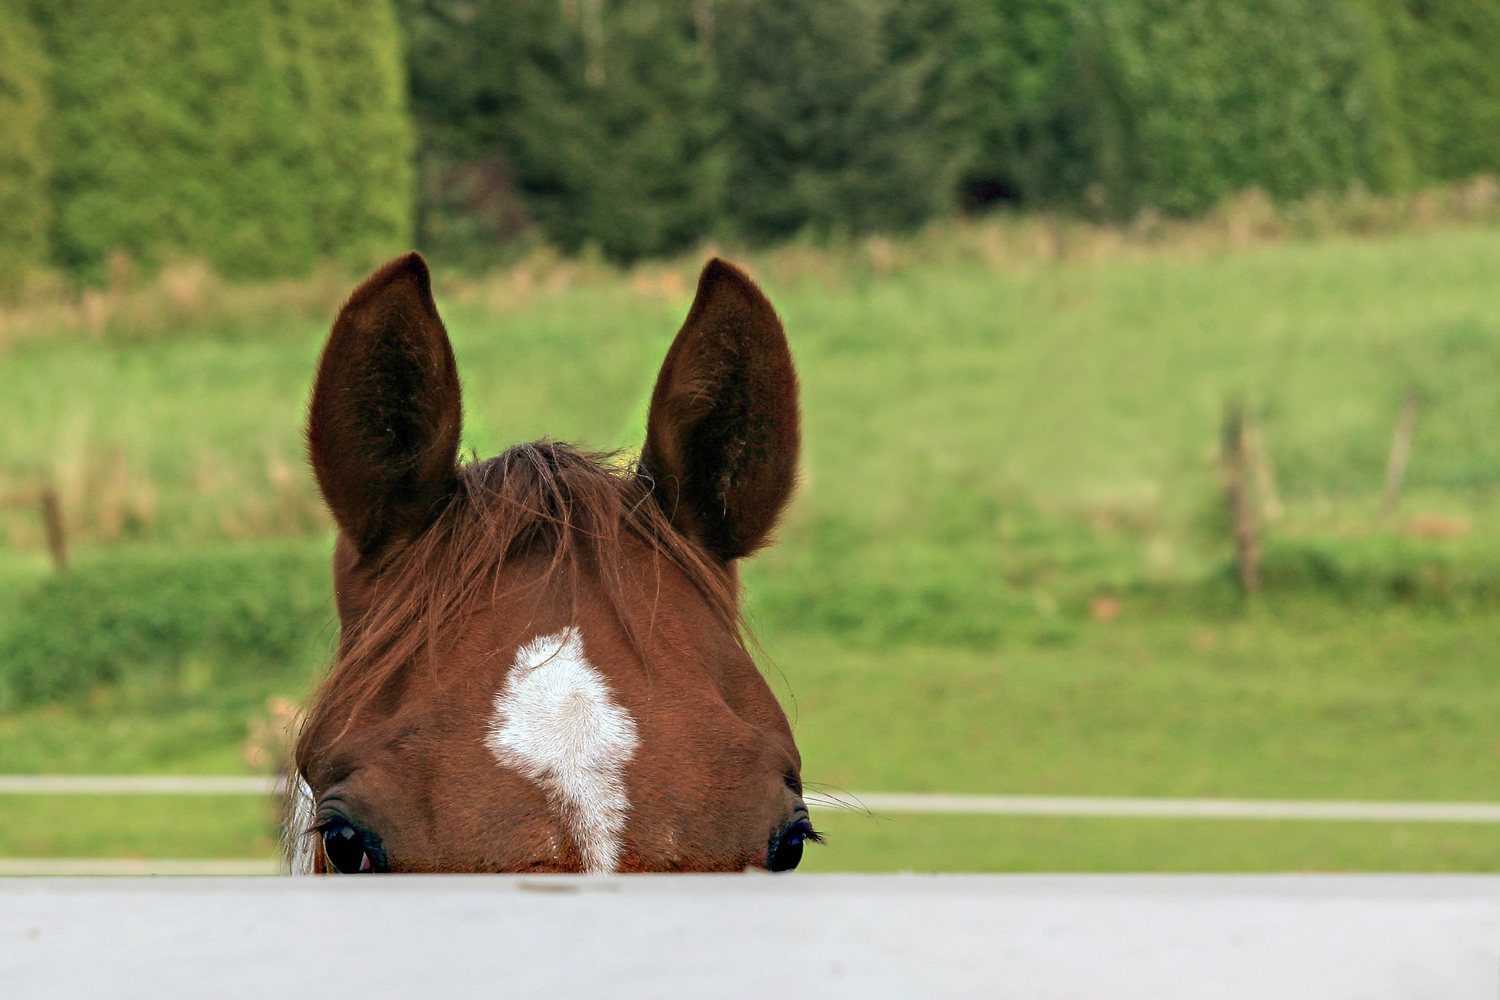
{"points": [[162, 620], [1225, 94], [260, 134], [349, 91], [24, 162], [132, 616]]}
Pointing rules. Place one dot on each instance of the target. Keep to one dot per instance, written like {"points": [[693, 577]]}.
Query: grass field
{"points": [[990, 448], [1330, 704]]}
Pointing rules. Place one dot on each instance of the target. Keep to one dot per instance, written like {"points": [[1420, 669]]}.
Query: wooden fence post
{"points": [[52, 523], [1395, 469], [1236, 460]]}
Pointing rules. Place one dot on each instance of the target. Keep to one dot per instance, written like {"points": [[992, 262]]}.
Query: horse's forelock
{"points": [[575, 509]]}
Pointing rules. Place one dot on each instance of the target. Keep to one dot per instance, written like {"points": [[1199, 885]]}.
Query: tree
{"points": [[599, 115], [828, 129]]}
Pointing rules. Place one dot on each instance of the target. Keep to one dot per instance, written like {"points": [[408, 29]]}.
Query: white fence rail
{"points": [[52, 867], [138, 784], [1061, 805], [875, 802]]}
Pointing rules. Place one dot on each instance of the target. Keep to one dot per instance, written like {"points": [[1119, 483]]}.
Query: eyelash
{"points": [[808, 833], [372, 855]]}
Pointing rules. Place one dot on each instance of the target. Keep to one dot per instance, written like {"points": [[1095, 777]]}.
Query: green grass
{"points": [[929, 394], [155, 731], [1047, 844], [1311, 702], [145, 826], [988, 449]]}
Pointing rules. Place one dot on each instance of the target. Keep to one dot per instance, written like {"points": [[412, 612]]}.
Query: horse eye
{"points": [[345, 849], [786, 848]]}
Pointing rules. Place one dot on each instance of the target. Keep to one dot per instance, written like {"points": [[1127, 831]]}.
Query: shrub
{"points": [[128, 617], [1381, 570]]}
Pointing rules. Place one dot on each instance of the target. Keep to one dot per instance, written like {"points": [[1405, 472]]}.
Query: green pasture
{"points": [[991, 451]]}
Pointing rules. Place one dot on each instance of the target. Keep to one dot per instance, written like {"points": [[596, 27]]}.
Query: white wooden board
{"points": [[990, 936]]}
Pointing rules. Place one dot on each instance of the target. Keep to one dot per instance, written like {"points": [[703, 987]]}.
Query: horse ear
{"points": [[722, 436], [383, 426]]}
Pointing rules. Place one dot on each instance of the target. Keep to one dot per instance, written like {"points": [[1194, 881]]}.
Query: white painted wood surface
{"points": [[997, 937]]}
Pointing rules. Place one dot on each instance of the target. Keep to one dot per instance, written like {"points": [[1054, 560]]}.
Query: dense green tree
{"points": [[615, 142], [599, 114], [1445, 57], [640, 125], [346, 84], [25, 205], [831, 122], [1112, 105], [1219, 95], [259, 134], [1018, 95]]}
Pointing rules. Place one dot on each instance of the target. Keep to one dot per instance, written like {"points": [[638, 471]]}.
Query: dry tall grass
{"points": [[182, 296], [189, 297]]}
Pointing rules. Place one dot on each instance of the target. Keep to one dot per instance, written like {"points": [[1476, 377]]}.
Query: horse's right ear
{"points": [[722, 435], [383, 426]]}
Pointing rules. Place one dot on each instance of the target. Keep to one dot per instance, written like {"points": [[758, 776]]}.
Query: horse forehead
{"points": [[557, 722], [553, 698]]}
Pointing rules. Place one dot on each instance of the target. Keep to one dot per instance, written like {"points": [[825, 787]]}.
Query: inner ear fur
{"points": [[722, 436], [386, 413]]}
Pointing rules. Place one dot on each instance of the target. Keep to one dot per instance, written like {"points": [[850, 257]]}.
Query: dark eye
{"points": [[786, 847], [344, 847]]}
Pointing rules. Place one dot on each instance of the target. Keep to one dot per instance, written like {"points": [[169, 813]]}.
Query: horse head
{"points": [[541, 664]]}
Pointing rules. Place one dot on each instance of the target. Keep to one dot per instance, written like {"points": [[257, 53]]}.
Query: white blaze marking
{"points": [[556, 722]]}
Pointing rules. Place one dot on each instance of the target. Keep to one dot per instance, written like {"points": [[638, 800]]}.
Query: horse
{"points": [[541, 663]]}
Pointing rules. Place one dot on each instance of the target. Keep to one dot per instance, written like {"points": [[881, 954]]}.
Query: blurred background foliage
{"points": [[24, 160], [266, 135], [259, 135]]}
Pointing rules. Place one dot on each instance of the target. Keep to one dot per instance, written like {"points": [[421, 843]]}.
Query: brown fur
{"points": [[442, 573]]}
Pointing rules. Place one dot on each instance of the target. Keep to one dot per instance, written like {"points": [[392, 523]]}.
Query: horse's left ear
{"points": [[722, 436]]}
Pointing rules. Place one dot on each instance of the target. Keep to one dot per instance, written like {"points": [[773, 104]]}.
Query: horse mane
{"points": [[564, 510]]}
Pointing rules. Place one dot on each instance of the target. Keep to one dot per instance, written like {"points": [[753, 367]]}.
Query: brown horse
{"points": [[541, 662]]}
